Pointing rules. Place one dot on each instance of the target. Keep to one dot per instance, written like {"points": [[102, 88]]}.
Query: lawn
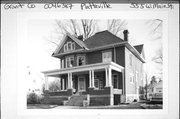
{"points": [[133, 105]]}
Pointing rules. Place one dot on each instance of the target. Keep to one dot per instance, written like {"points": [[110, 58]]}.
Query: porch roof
{"points": [[83, 68]]}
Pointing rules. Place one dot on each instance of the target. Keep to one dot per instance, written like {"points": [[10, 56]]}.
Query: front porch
{"points": [[103, 82]]}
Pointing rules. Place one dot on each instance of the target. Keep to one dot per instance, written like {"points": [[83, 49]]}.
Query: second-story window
{"points": [[130, 59], [107, 56], [131, 78], [69, 46], [69, 61], [81, 60]]}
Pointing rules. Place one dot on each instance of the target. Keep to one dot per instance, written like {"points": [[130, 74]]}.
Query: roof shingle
{"points": [[102, 39]]}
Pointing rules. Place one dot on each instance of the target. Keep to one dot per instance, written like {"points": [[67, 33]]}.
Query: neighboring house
{"points": [[104, 67], [155, 91]]}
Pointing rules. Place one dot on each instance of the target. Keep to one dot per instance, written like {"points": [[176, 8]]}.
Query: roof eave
{"points": [[136, 53], [85, 50]]}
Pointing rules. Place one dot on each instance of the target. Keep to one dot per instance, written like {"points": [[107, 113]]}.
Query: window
{"points": [[101, 84], [73, 46], [69, 46], [69, 61], [65, 47], [130, 59], [131, 78], [96, 83], [73, 82], [107, 56], [115, 81], [80, 60], [62, 64]]}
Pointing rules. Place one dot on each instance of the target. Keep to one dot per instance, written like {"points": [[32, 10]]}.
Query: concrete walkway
{"points": [[133, 105]]}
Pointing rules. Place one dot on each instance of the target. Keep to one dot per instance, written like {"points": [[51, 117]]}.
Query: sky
{"points": [[39, 48]]}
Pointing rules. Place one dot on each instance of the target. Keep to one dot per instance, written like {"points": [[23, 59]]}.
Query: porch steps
{"points": [[76, 100]]}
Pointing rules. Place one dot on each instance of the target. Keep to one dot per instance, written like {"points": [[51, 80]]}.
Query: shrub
{"points": [[135, 100], [33, 98]]}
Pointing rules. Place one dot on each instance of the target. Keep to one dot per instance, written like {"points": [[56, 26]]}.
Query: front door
{"points": [[81, 83]]}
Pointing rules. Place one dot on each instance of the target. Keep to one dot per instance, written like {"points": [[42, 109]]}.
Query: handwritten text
{"points": [[151, 5], [92, 5], [58, 5]]}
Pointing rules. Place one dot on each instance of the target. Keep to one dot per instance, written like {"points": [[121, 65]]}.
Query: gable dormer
{"points": [[68, 44], [140, 49]]}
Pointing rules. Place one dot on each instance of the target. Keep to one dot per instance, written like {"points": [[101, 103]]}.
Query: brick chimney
{"points": [[125, 32]]}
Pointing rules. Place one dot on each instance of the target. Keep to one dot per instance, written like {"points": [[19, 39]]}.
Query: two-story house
{"points": [[105, 68]]}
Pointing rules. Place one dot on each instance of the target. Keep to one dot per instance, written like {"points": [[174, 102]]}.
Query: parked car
{"points": [[156, 97]]}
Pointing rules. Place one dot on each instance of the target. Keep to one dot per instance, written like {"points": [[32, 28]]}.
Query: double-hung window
{"points": [[69, 46], [96, 83], [69, 61], [132, 78], [81, 60], [115, 81], [107, 56]]}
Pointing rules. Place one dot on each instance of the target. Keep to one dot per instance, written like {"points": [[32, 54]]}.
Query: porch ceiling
{"points": [[85, 68]]}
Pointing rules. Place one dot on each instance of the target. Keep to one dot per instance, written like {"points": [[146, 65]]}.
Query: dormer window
{"points": [[69, 46]]}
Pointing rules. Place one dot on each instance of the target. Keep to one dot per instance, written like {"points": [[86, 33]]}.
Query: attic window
{"points": [[69, 46]]}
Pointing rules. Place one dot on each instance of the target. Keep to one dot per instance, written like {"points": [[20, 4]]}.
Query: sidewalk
{"points": [[134, 105]]}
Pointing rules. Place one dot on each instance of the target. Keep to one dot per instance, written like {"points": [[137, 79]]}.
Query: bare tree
{"points": [[116, 26], [155, 34], [85, 27], [158, 58], [55, 86]]}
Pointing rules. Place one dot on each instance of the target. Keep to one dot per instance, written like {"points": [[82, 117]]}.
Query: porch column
{"points": [[92, 78], [70, 80], [46, 83], [109, 76], [60, 83], [106, 70], [123, 91]]}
